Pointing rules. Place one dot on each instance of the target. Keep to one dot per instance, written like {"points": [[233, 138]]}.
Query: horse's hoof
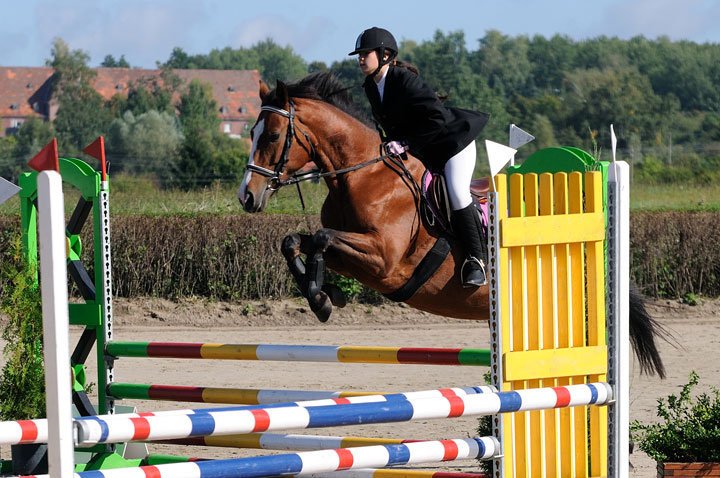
{"points": [[322, 308], [337, 297], [289, 246]]}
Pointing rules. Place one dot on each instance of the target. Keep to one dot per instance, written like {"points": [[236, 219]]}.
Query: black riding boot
{"points": [[467, 226]]}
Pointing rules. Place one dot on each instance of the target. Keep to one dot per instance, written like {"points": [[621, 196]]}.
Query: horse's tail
{"points": [[643, 331]]}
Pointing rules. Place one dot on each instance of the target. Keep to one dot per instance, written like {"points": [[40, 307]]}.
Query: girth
{"points": [[424, 270]]}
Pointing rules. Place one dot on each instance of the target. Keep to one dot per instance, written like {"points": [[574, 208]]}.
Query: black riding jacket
{"points": [[410, 111]]}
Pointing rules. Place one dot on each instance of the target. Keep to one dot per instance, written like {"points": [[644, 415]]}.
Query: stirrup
{"points": [[475, 278]]}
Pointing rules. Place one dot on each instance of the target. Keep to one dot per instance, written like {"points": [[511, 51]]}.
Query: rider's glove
{"points": [[396, 148]]}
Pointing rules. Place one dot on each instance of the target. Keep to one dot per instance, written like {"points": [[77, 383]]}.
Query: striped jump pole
{"points": [[247, 396], [36, 431], [302, 353], [395, 473], [305, 463], [283, 441], [244, 396], [156, 459], [118, 428]]}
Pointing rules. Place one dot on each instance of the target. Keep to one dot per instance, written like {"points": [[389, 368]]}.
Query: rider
{"points": [[413, 119]]}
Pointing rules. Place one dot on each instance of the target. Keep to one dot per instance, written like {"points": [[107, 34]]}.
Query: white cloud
{"points": [[144, 32]]}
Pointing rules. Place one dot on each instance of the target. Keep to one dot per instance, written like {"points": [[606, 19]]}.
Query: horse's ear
{"points": [[281, 93], [263, 89]]}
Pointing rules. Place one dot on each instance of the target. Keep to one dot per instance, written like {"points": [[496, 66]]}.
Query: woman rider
{"points": [[413, 119]]}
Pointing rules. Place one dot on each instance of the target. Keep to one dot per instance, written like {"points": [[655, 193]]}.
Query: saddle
{"points": [[436, 207]]}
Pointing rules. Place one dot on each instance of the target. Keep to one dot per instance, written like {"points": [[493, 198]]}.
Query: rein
{"points": [[276, 181]]}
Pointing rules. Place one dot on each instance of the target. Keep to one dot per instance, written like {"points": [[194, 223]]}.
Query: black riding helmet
{"points": [[376, 39]]}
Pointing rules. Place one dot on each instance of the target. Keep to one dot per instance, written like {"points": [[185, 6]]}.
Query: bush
{"points": [[22, 386], [689, 430], [675, 253]]}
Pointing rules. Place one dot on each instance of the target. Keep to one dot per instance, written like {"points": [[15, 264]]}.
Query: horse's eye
{"points": [[274, 137]]}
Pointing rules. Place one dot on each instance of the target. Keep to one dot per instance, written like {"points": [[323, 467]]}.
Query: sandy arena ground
{"points": [[696, 333]]}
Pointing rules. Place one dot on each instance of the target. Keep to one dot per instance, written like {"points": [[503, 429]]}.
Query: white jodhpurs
{"points": [[458, 174]]}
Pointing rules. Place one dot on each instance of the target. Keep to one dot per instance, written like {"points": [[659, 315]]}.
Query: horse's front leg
{"points": [[310, 279], [290, 248]]}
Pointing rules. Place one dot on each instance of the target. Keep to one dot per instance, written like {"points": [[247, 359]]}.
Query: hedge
{"points": [[237, 257]]}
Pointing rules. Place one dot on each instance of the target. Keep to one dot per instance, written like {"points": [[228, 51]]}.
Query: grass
{"points": [[688, 197], [133, 195]]}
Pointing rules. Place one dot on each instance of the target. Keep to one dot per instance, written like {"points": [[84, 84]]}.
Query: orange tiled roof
{"points": [[21, 88]]}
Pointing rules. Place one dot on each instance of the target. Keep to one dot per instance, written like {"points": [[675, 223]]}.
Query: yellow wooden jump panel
{"points": [[551, 261]]}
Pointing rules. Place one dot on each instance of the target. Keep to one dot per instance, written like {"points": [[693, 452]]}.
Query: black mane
{"points": [[324, 86]]}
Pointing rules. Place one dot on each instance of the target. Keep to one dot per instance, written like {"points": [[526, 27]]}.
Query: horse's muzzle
{"points": [[248, 202], [251, 203]]}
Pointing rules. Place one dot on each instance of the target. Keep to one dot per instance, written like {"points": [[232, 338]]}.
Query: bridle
{"points": [[276, 181]]}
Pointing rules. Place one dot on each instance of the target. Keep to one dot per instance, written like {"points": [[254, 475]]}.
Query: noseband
{"points": [[276, 181]]}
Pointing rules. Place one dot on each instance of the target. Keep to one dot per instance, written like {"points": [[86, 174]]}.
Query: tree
{"points": [[271, 60], [278, 63], [622, 96], [147, 94], [145, 143], [81, 115], [7, 158], [17, 150], [198, 109], [206, 155], [504, 62], [110, 62]]}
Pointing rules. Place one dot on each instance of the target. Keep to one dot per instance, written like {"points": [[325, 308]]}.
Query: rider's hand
{"points": [[396, 148]]}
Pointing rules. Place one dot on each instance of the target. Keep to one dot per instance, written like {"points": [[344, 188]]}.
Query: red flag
{"points": [[47, 158], [97, 151]]}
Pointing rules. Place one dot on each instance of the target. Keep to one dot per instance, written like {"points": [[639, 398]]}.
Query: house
{"points": [[27, 91]]}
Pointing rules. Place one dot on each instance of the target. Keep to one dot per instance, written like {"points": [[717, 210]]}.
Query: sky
{"points": [[146, 31]]}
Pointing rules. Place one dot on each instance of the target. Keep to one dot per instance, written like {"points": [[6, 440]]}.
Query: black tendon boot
{"points": [[468, 229]]}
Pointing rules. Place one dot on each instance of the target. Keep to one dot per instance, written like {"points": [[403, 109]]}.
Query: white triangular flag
{"points": [[613, 141], [498, 156], [7, 190], [519, 137]]}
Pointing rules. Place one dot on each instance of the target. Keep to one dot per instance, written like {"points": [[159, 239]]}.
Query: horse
{"points": [[373, 229]]}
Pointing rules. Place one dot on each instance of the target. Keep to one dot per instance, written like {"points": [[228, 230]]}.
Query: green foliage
{"points": [[689, 430], [22, 386], [354, 290], [679, 168], [111, 62], [81, 115], [9, 167], [145, 143], [17, 150], [271, 60], [198, 109], [147, 94], [690, 299]]}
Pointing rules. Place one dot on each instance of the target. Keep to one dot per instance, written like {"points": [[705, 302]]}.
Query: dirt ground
{"points": [[695, 330]]}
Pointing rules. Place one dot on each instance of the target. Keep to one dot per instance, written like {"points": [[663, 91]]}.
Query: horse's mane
{"points": [[324, 86]]}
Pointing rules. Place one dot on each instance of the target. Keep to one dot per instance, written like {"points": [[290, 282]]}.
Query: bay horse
{"points": [[372, 226]]}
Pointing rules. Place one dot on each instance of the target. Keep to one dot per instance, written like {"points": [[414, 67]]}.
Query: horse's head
{"points": [[277, 149]]}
